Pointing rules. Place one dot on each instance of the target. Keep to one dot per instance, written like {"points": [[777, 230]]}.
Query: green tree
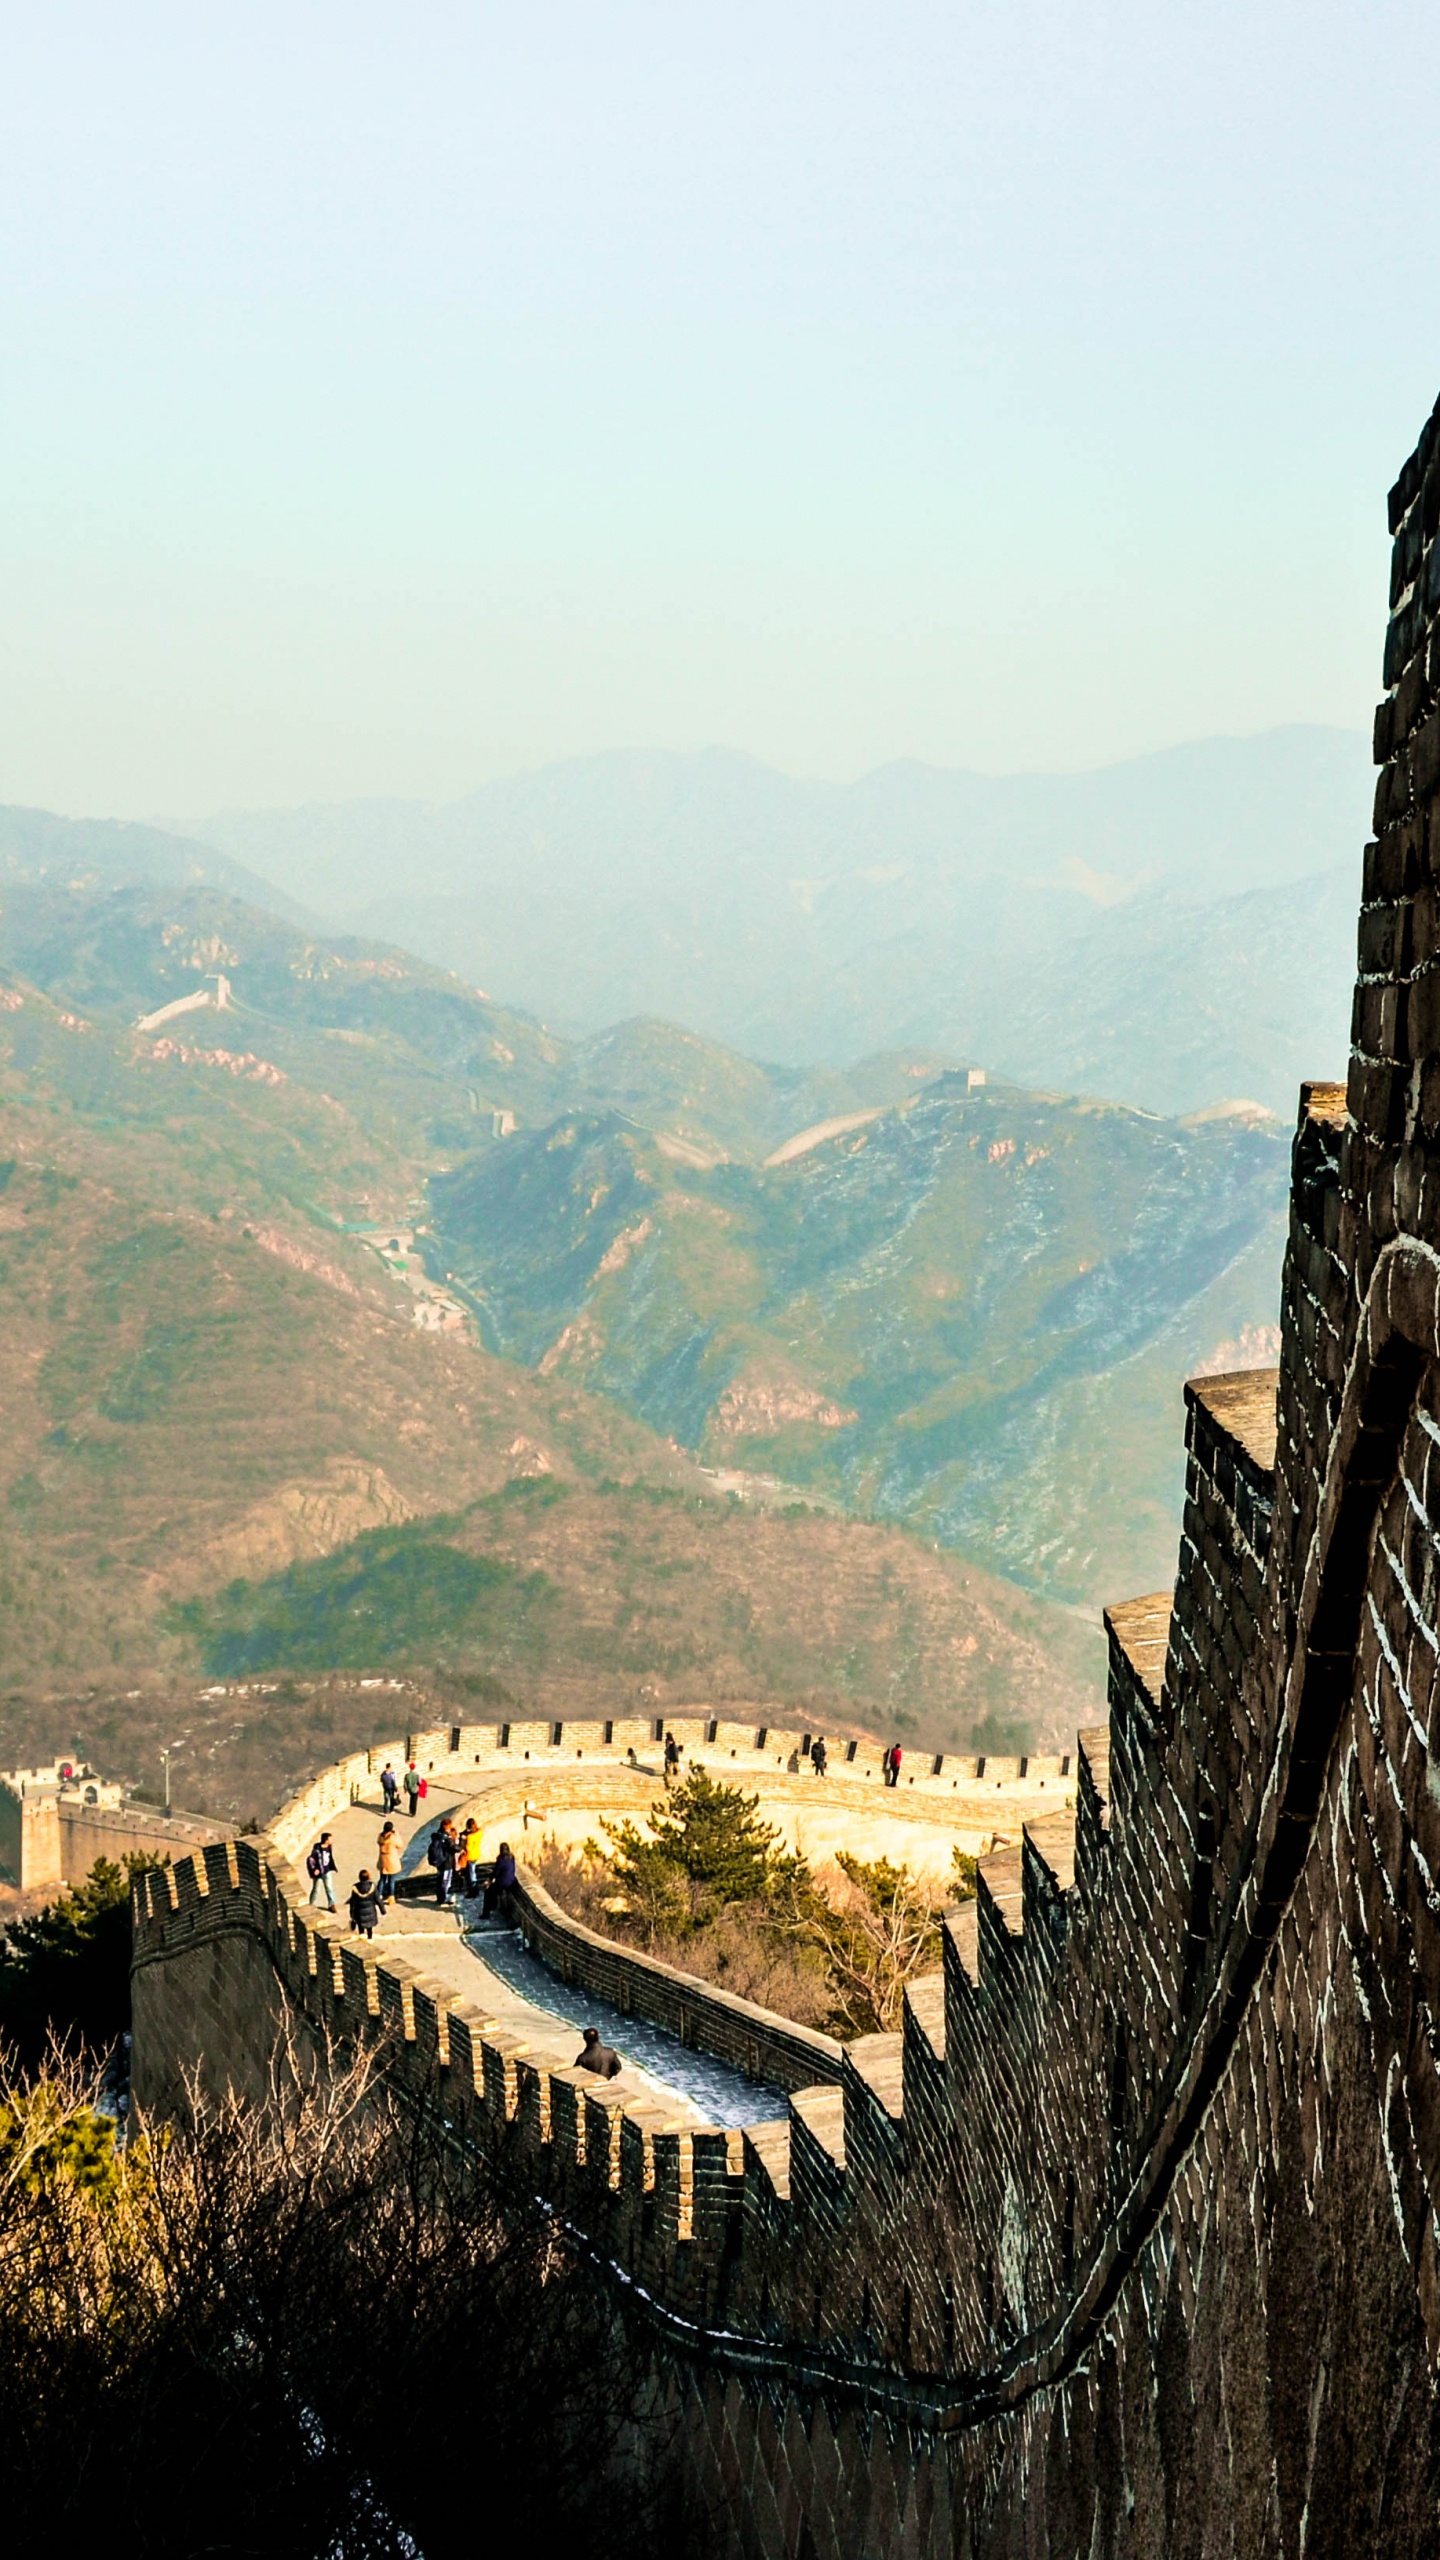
{"points": [[66, 1971], [963, 1871], [707, 1848], [44, 2138]]}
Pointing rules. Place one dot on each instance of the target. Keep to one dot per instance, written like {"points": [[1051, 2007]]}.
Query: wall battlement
{"points": [[1129, 2244]]}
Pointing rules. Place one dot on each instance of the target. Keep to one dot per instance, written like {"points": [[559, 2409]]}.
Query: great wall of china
{"points": [[1129, 2243]]}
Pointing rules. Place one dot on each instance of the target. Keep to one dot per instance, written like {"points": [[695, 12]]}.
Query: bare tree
{"points": [[878, 1929], [315, 2326]]}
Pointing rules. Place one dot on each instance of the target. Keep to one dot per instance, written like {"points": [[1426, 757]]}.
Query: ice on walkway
{"points": [[726, 2096]]}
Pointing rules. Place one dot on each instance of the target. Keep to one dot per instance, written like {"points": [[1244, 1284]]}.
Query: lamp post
{"points": [[165, 1757]]}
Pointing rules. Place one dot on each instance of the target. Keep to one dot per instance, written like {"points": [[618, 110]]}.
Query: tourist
{"points": [[364, 1905], [892, 1765], [389, 1788], [672, 1758], [320, 1867], [471, 1845], [442, 1853], [597, 2057], [819, 1756], [414, 1789], [388, 1856], [503, 1879]]}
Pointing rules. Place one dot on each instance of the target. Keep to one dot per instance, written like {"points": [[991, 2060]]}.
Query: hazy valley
{"points": [[360, 1323]]}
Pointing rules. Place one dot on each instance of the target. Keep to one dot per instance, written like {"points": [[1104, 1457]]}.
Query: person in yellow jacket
{"points": [[471, 1845], [388, 1855]]}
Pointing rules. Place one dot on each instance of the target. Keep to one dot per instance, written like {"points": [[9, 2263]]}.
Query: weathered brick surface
{"points": [[1129, 2246]]}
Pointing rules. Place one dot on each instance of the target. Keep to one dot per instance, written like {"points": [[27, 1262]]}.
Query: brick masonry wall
{"points": [[1129, 2246]]}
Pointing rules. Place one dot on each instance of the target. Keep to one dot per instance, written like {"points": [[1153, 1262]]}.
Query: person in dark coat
{"points": [[364, 1905], [819, 1756], [443, 1853], [597, 2057], [503, 1878], [389, 1788], [320, 1867]]}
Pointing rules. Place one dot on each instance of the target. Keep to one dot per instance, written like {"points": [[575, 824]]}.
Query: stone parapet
{"points": [[752, 2040]]}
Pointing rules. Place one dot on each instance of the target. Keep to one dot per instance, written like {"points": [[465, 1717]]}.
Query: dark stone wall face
{"points": [[1163, 2221], [1127, 2248]]}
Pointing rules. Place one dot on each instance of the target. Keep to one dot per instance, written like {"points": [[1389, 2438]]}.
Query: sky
{"points": [[397, 397]]}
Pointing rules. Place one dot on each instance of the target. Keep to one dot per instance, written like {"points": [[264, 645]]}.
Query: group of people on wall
{"points": [[454, 1852], [457, 1855]]}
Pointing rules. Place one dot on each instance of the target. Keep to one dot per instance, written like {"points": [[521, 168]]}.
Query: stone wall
{"points": [[1129, 2245], [756, 2041], [52, 1833]]}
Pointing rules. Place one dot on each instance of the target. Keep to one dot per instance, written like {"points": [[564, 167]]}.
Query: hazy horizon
{"points": [[193, 822], [394, 404]]}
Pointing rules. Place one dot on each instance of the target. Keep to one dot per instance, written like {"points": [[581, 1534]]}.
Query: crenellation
{"points": [[819, 2189]]}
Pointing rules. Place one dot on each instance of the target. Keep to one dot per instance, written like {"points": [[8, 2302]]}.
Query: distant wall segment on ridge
{"points": [[52, 1830]]}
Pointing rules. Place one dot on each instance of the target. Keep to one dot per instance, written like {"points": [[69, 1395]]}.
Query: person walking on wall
{"points": [[414, 1789], [389, 1788], [892, 1765], [503, 1878], [388, 1860], [442, 1853], [819, 1756], [364, 1905], [595, 2056], [672, 1758], [320, 1867]]}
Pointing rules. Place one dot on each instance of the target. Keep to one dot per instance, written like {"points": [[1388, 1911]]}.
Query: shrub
{"points": [[712, 1892], [236, 2336]]}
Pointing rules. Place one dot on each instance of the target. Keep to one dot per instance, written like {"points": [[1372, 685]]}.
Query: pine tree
{"points": [[708, 1848]]}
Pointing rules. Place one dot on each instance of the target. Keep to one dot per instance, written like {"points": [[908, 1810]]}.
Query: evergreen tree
{"points": [[708, 1848], [66, 1971]]}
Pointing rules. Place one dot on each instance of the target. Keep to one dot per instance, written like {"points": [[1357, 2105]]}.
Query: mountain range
{"points": [[355, 1316], [1166, 932], [234, 1446]]}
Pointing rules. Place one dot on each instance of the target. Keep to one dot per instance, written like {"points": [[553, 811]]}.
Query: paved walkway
{"points": [[449, 1943]]}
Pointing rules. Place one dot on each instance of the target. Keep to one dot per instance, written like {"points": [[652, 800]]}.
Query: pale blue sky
{"points": [[393, 397]]}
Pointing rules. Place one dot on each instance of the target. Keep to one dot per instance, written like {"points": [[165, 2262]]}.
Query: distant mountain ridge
{"points": [[39, 845], [1086, 929], [923, 1314], [857, 1314]]}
